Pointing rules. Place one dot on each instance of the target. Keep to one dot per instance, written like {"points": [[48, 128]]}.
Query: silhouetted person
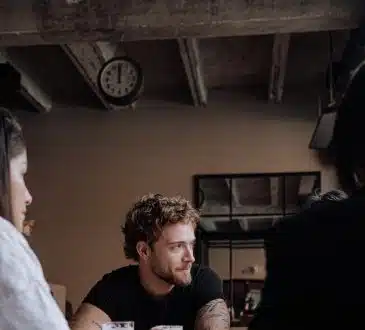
{"points": [[315, 276]]}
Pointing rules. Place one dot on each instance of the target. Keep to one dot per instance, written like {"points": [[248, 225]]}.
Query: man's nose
{"points": [[189, 254]]}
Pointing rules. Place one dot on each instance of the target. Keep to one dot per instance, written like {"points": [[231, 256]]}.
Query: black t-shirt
{"points": [[122, 297]]}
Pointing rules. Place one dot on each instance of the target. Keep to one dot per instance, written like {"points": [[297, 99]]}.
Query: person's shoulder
{"points": [[206, 285], [324, 213], [126, 274], [9, 232], [13, 244], [199, 269], [18, 263], [111, 285], [315, 221], [201, 272]]}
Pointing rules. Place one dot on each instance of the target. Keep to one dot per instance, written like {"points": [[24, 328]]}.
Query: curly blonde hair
{"points": [[148, 216]]}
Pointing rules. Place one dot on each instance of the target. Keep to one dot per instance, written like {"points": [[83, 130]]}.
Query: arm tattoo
{"points": [[213, 316]]}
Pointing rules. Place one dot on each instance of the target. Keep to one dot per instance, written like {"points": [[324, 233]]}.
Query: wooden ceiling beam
{"points": [[60, 22], [30, 89], [278, 67], [88, 58], [107, 49], [190, 56]]}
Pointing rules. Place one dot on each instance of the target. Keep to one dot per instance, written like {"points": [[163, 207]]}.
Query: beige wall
{"points": [[88, 166], [247, 264]]}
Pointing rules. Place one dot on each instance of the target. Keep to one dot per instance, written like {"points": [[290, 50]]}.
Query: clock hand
{"points": [[119, 73]]}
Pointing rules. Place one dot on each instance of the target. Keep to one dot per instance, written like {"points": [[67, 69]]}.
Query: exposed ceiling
{"points": [[186, 49]]}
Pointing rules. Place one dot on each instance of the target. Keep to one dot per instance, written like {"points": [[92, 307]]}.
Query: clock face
{"points": [[119, 78]]}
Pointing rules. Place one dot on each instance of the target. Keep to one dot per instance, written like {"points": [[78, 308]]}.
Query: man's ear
{"points": [[143, 250]]}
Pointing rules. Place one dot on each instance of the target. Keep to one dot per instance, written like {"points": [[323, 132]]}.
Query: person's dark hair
{"points": [[349, 133], [335, 195], [148, 217], [12, 144]]}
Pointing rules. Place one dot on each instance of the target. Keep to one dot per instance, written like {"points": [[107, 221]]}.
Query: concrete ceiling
{"points": [[186, 49]]}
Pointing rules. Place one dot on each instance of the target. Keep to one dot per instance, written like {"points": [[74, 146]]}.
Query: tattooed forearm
{"points": [[213, 316], [88, 317]]}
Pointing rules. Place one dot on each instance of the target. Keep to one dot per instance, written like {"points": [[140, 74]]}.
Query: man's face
{"points": [[173, 254]]}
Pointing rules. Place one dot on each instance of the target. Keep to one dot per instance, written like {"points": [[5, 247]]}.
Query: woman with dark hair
{"points": [[25, 298]]}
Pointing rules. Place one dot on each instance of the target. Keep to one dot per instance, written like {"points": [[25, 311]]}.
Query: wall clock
{"points": [[120, 81]]}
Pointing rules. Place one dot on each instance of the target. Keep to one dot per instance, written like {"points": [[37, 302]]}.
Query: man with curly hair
{"points": [[166, 287]]}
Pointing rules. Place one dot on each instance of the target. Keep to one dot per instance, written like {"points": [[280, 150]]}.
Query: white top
{"points": [[26, 301]]}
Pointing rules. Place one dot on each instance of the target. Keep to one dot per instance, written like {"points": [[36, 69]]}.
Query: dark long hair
{"points": [[349, 133], [11, 145]]}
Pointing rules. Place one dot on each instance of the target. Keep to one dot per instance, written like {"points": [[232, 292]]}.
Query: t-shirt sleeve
{"points": [[101, 296], [208, 286]]}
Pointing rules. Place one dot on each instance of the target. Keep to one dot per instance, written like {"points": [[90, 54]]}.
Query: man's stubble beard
{"points": [[169, 276]]}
